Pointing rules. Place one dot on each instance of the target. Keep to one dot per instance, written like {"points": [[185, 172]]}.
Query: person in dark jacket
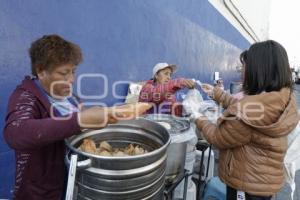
{"points": [[42, 112]]}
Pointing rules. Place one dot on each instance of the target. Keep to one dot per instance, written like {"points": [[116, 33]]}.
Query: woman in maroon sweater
{"points": [[36, 125]]}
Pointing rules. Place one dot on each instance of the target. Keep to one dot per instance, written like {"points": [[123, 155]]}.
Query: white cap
{"points": [[160, 66]]}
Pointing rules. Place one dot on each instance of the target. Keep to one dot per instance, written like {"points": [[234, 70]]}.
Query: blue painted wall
{"points": [[122, 39]]}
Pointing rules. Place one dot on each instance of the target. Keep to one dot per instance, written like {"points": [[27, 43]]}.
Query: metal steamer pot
{"points": [[177, 149], [131, 177]]}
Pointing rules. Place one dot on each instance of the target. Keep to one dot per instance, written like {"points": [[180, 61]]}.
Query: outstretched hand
{"points": [[99, 117], [189, 83], [207, 88]]}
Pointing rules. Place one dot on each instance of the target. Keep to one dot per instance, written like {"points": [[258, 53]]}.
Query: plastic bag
{"points": [[133, 92], [192, 102]]}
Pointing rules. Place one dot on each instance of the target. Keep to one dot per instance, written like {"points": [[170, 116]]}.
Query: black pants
{"points": [[231, 195]]}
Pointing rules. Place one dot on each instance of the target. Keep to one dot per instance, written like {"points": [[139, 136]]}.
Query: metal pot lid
{"points": [[173, 124]]}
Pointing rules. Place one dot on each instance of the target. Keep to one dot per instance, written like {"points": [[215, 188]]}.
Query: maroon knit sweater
{"points": [[38, 141]]}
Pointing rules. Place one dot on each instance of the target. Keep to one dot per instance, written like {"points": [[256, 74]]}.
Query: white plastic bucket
{"points": [[189, 166], [205, 162], [191, 193]]}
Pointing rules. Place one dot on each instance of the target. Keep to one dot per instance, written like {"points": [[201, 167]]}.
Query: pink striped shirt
{"points": [[163, 94]]}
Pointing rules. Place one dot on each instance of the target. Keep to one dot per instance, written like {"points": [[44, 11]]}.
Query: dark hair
{"points": [[243, 57], [50, 51], [266, 68]]}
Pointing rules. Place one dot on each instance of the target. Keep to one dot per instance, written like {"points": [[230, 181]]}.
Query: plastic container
{"points": [[189, 166], [205, 162], [191, 193]]}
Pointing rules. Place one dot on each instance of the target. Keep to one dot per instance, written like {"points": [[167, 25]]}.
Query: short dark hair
{"points": [[50, 51], [266, 68]]}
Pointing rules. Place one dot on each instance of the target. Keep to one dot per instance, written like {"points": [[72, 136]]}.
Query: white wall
{"points": [[254, 16], [284, 28]]}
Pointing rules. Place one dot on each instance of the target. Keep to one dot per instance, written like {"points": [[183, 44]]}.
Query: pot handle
{"points": [[71, 177], [80, 164]]}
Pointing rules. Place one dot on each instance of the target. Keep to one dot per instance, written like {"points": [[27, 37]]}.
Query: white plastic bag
{"points": [[133, 92], [192, 102], [292, 158]]}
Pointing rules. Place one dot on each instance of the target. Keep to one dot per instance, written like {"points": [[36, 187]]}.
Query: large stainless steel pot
{"points": [[178, 146], [133, 177]]}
